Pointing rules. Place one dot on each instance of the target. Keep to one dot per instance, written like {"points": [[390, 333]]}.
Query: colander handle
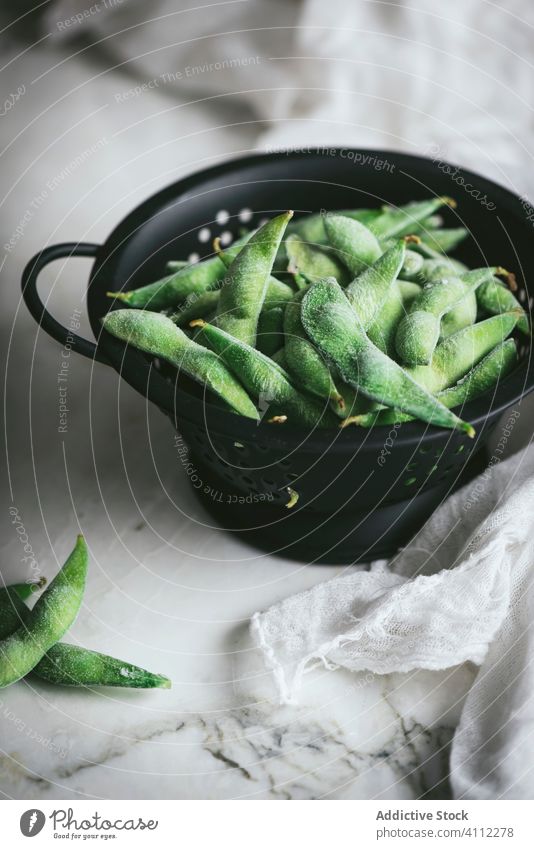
{"points": [[38, 309]]}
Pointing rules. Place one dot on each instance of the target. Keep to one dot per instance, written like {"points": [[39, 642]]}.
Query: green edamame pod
{"points": [[270, 330], [332, 324], [409, 292], [52, 615], [435, 269], [13, 611], [71, 665], [457, 354], [445, 240], [171, 290], [28, 588], [279, 357], [460, 316], [355, 245], [278, 292], [403, 220], [370, 290], [383, 328], [482, 377], [418, 332], [313, 262], [310, 229], [196, 306], [412, 265], [495, 298], [245, 282], [304, 362], [264, 378], [158, 335]]}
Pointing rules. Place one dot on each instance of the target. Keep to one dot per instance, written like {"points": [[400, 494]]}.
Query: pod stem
{"points": [[293, 498], [119, 296]]}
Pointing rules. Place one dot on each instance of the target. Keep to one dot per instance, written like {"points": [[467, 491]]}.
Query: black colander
{"points": [[361, 493]]}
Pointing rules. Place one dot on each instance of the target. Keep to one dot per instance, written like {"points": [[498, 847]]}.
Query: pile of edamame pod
{"points": [[29, 639], [354, 317]]}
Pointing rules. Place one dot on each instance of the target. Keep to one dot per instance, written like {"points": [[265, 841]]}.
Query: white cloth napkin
{"points": [[462, 591]]}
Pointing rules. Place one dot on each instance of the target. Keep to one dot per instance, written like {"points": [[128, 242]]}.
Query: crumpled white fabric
{"points": [[461, 591]]}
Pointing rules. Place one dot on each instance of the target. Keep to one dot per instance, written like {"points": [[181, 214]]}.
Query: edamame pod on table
{"points": [[356, 246], [418, 332], [313, 262], [495, 298], [13, 611], [482, 377], [370, 289], [332, 324], [245, 282], [28, 588], [72, 665], [403, 220], [52, 615], [264, 379], [158, 335], [460, 352], [304, 362]]}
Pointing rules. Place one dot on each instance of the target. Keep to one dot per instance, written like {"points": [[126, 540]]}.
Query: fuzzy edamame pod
{"points": [[158, 335], [13, 611], [332, 324], [355, 245], [196, 306], [382, 329], [409, 292], [445, 240], [278, 292], [460, 316], [457, 354], [52, 615], [313, 262], [264, 378], [245, 282], [435, 268], [412, 265], [370, 290], [270, 334], [402, 220], [482, 377], [418, 333], [495, 298], [304, 362], [72, 665], [170, 291]]}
